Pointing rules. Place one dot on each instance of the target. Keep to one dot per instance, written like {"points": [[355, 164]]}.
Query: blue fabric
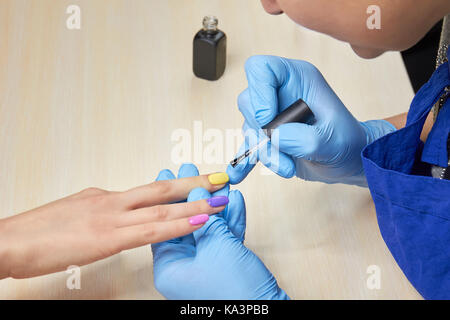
{"points": [[413, 210]]}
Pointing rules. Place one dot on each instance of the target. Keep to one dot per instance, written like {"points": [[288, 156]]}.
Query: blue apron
{"points": [[413, 210]]}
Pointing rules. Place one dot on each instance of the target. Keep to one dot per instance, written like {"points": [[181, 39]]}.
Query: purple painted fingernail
{"points": [[201, 218], [218, 201]]}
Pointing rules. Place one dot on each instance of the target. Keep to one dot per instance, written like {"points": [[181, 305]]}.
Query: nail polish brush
{"points": [[296, 112]]}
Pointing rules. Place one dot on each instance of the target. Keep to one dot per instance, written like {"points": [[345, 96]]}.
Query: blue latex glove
{"points": [[212, 263], [328, 150]]}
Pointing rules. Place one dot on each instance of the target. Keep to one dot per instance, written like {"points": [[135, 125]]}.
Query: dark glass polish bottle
{"points": [[210, 47]]}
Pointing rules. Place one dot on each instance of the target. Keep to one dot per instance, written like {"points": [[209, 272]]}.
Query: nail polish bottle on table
{"points": [[210, 46]]}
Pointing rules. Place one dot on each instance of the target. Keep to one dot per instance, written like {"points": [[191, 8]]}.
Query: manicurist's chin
{"points": [[367, 53]]}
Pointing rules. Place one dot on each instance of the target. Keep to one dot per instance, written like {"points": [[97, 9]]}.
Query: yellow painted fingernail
{"points": [[218, 178]]}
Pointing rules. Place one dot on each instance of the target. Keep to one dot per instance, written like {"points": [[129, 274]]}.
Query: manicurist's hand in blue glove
{"points": [[328, 150], [213, 262]]}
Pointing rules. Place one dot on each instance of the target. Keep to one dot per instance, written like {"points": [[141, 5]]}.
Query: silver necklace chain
{"points": [[436, 171]]}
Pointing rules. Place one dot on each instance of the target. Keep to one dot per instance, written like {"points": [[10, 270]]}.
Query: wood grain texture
{"points": [[98, 106]]}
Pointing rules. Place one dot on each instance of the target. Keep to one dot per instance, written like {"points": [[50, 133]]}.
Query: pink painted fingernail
{"points": [[201, 218]]}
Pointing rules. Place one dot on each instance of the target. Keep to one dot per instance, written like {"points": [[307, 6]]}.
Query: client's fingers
{"points": [[173, 211], [162, 192], [153, 232]]}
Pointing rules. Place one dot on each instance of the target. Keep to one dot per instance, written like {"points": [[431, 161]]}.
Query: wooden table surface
{"points": [[98, 107]]}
